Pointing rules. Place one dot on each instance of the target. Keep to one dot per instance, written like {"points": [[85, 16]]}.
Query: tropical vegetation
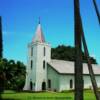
{"points": [[63, 52], [13, 74]]}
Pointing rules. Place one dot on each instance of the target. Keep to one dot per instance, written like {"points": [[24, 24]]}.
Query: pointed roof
{"points": [[39, 37]]}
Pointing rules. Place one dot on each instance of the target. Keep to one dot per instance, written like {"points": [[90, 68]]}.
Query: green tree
{"points": [[2, 77], [63, 52], [14, 73]]}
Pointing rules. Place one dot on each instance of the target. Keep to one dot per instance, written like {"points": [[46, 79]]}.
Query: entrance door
{"points": [[43, 86]]}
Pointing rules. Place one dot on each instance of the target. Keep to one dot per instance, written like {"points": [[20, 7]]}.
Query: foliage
{"points": [[14, 74], [63, 52]]}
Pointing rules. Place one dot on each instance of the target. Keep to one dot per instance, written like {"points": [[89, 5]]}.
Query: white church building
{"points": [[44, 73]]}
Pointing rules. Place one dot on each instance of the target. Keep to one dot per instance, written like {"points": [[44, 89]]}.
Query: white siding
{"points": [[37, 74], [61, 82], [54, 77], [65, 82]]}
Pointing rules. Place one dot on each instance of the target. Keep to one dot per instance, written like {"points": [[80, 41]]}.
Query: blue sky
{"points": [[20, 18]]}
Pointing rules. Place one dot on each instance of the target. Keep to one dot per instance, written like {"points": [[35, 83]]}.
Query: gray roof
{"points": [[67, 67]]}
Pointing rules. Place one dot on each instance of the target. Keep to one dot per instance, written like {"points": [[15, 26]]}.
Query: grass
{"points": [[11, 95]]}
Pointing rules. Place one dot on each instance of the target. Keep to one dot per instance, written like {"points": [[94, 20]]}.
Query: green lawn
{"points": [[11, 95]]}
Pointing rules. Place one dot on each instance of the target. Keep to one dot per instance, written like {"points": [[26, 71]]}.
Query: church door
{"points": [[43, 86]]}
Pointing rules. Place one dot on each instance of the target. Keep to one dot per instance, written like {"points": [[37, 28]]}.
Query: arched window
{"points": [[31, 85], [31, 64], [44, 51], [71, 83], [49, 83], [44, 64]]}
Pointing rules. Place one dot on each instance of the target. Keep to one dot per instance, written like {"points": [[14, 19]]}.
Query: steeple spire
{"points": [[39, 37]]}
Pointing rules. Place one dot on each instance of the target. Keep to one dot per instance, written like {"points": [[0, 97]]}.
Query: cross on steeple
{"points": [[39, 20]]}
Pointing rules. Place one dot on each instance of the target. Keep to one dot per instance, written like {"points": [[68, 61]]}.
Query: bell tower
{"points": [[39, 54]]}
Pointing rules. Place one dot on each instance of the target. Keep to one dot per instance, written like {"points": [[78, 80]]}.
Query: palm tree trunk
{"points": [[97, 11]]}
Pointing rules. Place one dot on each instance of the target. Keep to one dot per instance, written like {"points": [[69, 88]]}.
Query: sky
{"points": [[20, 19]]}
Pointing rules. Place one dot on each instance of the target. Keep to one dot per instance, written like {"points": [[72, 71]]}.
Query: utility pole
{"points": [[1, 73], [79, 37], [91, 73], [1, 46], [97, 11], [78, 52]]}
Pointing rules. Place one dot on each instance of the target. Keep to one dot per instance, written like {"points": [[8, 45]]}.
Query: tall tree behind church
{"points": [[1, 45]]}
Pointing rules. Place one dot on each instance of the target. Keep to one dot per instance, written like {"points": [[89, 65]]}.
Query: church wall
{"points": [[31, 73], [41, 73], [98, 80], [54, 77], [65, 82], [87, 81]]}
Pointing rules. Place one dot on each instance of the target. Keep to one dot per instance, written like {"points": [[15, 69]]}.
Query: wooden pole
{"points": [[91, 73], [78, 52], [1, 46], [79, 33], [97, 11]]}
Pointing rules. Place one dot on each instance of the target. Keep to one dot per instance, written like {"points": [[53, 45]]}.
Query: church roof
{"points": [[39, 37], [67, 67]]}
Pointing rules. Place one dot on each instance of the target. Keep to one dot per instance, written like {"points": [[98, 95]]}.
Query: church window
{"points": [[71, 83], [31, 64], [49, 83], [43, 64], [32, 51], [31, 85], [44, 51]]}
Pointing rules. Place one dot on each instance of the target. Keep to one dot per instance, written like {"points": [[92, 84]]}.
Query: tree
{"points": [[63, 52], [2, 77], [14, 74]]}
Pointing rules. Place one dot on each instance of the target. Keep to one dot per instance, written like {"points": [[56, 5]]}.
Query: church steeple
{"points": [[39, 54], [39, 37]]}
